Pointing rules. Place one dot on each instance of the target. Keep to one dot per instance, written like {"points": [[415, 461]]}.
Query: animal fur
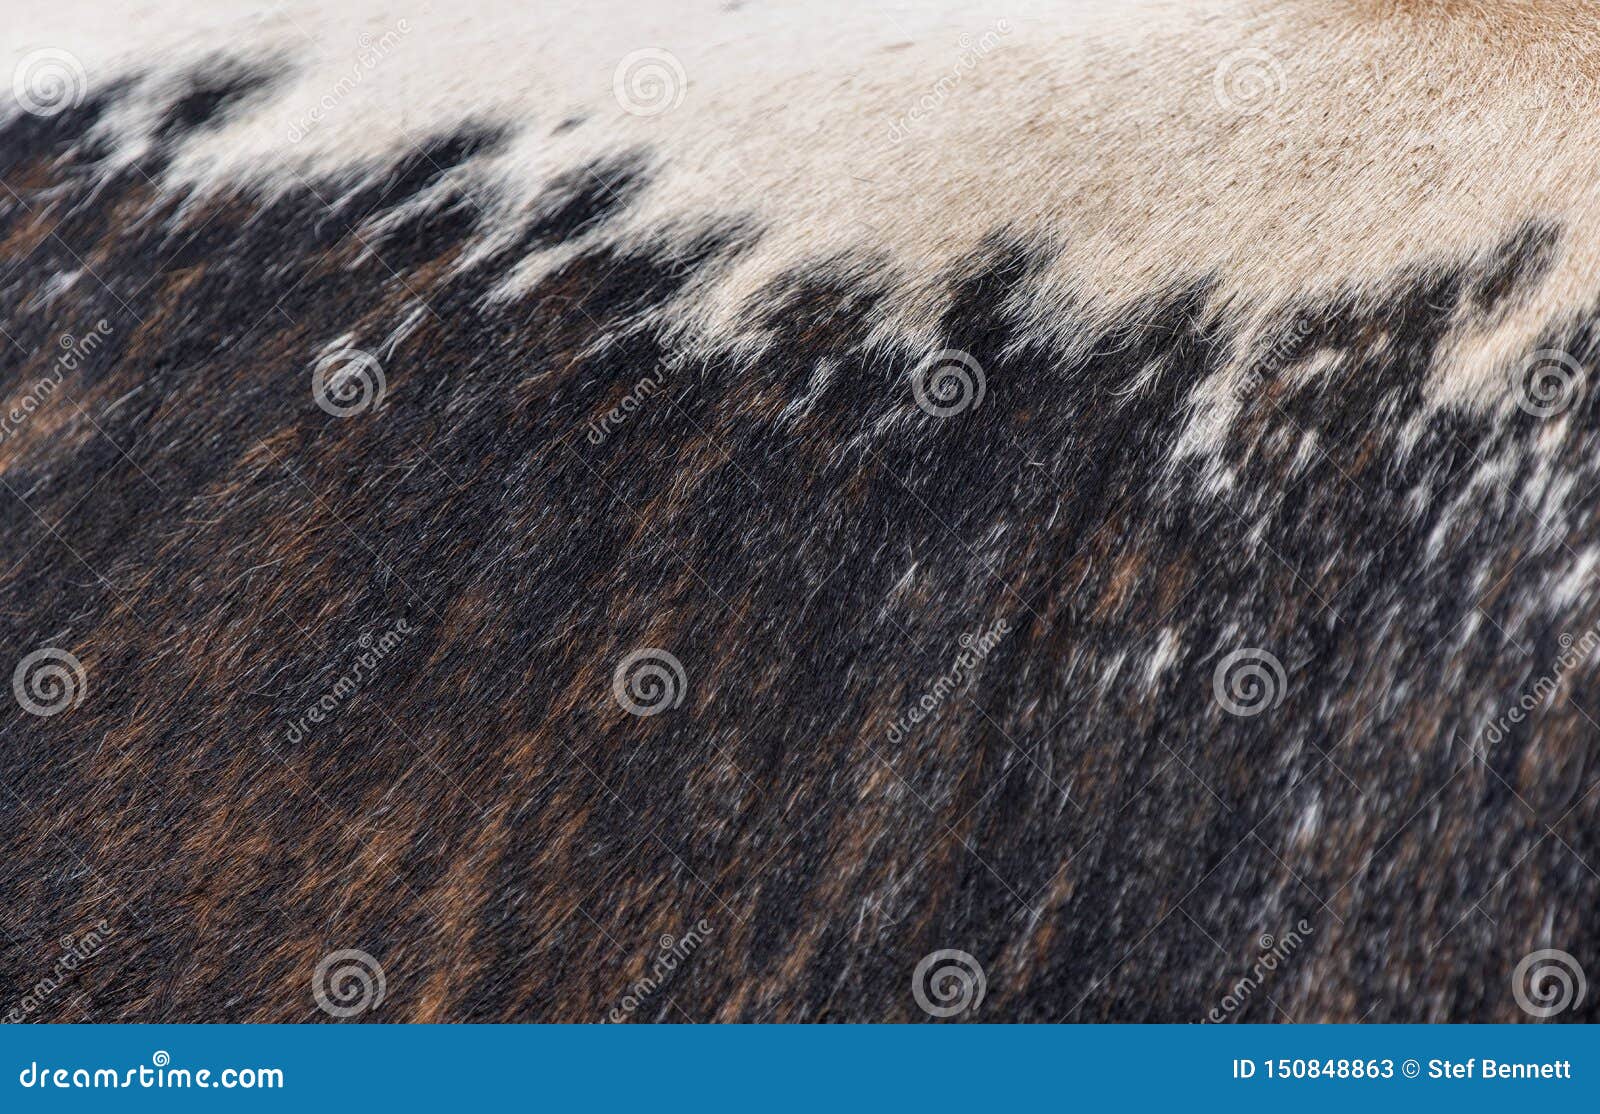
{"points": [[1262, 296]]}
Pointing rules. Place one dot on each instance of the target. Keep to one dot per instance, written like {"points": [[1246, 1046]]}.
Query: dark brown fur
{"points": [[483, 817]]}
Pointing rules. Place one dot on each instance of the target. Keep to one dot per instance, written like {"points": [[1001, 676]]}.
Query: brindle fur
{"points": [[484, 818]]}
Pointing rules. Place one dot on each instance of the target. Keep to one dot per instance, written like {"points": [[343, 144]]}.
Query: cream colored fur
{"points": [[1280, 148]]}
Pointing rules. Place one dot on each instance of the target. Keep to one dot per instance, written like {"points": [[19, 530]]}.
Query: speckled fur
{"points": [[1159, 474]]}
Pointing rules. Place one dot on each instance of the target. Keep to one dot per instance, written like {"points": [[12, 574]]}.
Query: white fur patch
{"points": [[1280, 149]]}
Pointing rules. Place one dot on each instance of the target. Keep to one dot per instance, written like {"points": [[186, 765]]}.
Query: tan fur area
{"points": [[1362, 139]]}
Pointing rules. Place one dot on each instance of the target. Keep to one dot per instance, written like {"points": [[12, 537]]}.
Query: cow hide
{"points": [[1059, 511]]}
